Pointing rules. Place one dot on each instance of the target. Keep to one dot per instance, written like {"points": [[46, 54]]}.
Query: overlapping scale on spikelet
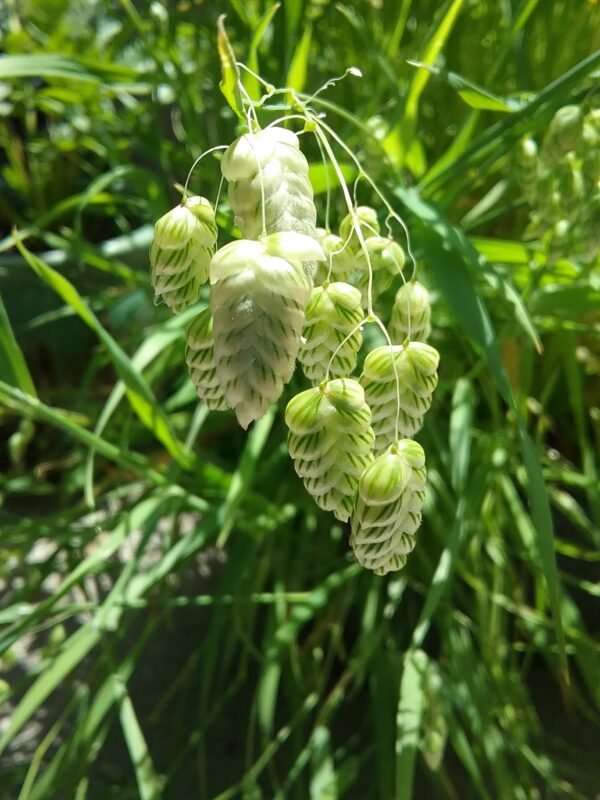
{"points": [[340, 260], [259, 293], [388, 507], [387, 261], [271, 158], [184, 241], [332, 314], [411, 314], [200, 359], [416, 366], [330, 441]]}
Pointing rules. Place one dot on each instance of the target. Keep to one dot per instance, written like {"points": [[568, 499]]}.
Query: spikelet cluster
{"points": [[330, 440], [560, 180], [405, 372], [200, 359], [289, 291], [331, 331], [387, 515], [183, 244]]}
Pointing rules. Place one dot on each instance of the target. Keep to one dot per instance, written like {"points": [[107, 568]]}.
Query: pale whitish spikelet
{"points": [[527, 164], [330, 441], [338, 256], [416, 367], [387, 260], [271, 157], [365, 218], [258, 298], [411, 313], [184, 241], [333, 313], [200, 358], [388, 507]]}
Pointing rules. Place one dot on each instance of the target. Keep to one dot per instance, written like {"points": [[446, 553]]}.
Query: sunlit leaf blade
{"points": [[230, 83], [13, 367]]}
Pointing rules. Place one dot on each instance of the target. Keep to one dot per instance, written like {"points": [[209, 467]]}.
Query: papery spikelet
{"points": [[330, 441], [184, 241], [388, 507], [269, 167], [527, 163], [365, 218], [416, 367], [258, 298], [411, 313], [562, 135], [332, 314], [387, 260], [340, 260], [200, 358]]}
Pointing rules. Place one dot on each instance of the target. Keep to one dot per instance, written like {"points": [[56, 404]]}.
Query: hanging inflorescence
{"points": [[560, 180], [289, 291]]}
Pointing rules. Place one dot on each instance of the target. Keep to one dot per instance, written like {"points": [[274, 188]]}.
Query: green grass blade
{"points": [[409, 721], [13, 367]]}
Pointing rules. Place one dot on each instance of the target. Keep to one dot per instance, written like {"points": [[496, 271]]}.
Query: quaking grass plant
{"points": [[179, 616], [269, 307]]}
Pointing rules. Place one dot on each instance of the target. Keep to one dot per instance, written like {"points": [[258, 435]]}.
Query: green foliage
{"points": [[178, 619]]}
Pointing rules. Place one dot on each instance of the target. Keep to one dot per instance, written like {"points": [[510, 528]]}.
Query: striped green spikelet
{"points": [[527, 163], [562, 135], [184, 241], [258, 299], [272, 159], [411, 314], [330, 441], [200, 358], [388, 507], [416, 367], [387, 261], [366, 220], [332, 314], [340, 260]]}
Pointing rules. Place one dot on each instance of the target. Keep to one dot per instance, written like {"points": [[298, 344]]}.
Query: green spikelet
{"points": [[200, 358], [338, 256], [527, 163], [416, 366], [330, 441], [411, 314], [184, 241], [387, 261], [258, 299], [273, 157], [562, 135], [332, 313], [388, 507], [366, 220]]}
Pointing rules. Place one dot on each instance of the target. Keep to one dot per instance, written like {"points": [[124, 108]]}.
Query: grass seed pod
{"points": [[338, 256], [527, 166], [259, 293], [562, 135], [330, 440], [332, 313], [387, 515], [183, 244], [416, 366], [200, 359], [411, 314], [366, 219], [268, 178], [387, 261]]}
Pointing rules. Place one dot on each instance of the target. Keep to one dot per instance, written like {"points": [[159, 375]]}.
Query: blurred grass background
{"points": [[177, 618]]}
